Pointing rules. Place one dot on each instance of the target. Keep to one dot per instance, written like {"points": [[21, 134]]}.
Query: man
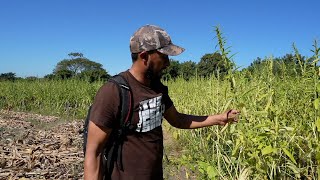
{"points": [[143, 150]]}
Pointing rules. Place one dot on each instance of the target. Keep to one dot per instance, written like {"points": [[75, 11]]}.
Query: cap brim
{"points": [[171, 50]]}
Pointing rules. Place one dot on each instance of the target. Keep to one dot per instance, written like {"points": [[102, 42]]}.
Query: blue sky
{"points": [[36, 34]]}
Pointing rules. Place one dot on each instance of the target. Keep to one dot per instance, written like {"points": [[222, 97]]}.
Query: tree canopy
{"points": [[10, 76], [289, 64], [212, 64], [172, 71], [188, 69], [79, 66]]}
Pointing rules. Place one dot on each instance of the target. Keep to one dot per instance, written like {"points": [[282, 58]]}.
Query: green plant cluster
{"points": [[277, 136], [69, 98], [279, 129]]}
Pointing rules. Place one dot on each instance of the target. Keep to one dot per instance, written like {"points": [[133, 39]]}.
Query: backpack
{"points": [[112, 150]]}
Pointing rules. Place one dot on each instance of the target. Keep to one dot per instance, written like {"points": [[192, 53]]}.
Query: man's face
{"points": [[157, 62]]}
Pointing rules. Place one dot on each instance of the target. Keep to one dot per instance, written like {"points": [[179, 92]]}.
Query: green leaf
{"points": [[227, 105], [245, 173], [260, 113], [318, 87], [269, 102], [244, 112], [267, 150], [318, 156], [260, 125], [209, 137], [201, 171], [289, 155], [211, 171], [318, 124], [266, 129], [175, 135], [235, 149], [202, 165], [288, 128], [241, 105], [316, 103], [294, 169]]}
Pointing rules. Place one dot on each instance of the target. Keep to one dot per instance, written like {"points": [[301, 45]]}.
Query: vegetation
{"points": [[279, 129], [56, 97], [277, 136], [10, 76], [79, 67]]}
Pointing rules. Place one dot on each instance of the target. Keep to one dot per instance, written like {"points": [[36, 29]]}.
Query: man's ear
{"points": [[144, 56]]}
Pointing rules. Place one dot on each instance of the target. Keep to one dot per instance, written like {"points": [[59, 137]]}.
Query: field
{"points": [[277, 136]]}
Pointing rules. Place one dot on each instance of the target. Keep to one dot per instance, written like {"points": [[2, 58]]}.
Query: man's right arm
{"points": [[97, 137]]}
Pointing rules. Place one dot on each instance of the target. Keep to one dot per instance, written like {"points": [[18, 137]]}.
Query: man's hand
{"points": [[230, 116]]}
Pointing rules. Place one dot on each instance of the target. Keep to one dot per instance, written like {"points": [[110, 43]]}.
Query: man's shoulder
{"points": [[118, 79], [109, 87], [123, 75]]}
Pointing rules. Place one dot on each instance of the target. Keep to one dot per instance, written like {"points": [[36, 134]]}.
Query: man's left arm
{"points": [[188, 121]]}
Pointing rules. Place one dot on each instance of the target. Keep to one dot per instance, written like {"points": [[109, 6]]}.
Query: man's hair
{"points": [[134, 57]]}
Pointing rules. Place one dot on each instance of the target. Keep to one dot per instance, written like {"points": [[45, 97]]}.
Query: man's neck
{"points": [[140, 76]]}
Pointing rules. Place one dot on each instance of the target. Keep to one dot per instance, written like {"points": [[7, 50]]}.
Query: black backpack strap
{"points": [[126, 99], [125, 116]]}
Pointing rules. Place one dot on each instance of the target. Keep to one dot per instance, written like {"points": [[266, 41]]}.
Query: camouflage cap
{"points": [[150, 37]]}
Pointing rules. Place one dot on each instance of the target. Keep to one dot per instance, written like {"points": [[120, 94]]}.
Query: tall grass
{"points": [[62, 98], [279, 129], [275, 138]]}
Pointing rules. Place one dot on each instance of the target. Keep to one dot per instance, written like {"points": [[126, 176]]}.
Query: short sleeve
{"points": [[166, 98], [106, 106]]}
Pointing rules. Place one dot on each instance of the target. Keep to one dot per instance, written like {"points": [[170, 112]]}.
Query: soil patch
{"points": [[39, 147]]}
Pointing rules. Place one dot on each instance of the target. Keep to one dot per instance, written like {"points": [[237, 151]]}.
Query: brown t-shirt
{"points": [[142, 152]]}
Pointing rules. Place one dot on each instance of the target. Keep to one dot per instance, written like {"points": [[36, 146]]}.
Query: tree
{"points": [[188, 69], [49, 76], [172, 71], [212, 64], [80, 67], [293, 63], [63, 74], [93, 75], [75, 55], [288, 64], [10, 76], [257, 64]]}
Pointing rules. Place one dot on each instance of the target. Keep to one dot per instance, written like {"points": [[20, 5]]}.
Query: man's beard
{"points": [[151, 75]]}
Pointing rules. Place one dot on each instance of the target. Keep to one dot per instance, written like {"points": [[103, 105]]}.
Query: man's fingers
{"points": [[235, 112], [232, 115]]}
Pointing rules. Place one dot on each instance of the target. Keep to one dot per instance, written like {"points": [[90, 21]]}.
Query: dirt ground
{"points": [[34, 146]]}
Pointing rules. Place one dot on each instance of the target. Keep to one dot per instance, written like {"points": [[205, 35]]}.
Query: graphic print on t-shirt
{"points": [[150, 114]]}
